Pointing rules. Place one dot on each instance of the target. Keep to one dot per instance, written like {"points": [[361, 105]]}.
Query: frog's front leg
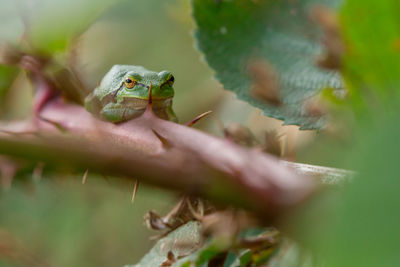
{"points": [[165, 113], [171, 114], [116, 112]]}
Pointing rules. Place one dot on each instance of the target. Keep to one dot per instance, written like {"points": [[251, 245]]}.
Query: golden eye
{"points": [[129, 82]]}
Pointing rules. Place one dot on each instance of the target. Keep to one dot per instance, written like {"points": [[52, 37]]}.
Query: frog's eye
{"points": [[171, 80], [129, 82]]}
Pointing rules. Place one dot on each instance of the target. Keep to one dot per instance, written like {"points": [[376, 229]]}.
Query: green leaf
{"points": [[55, 23], [239, 259], [7, 76], [206, 255], [233, 33], [183, 241], [291, 254], [372, 61], [11, 23], [363, 226]]}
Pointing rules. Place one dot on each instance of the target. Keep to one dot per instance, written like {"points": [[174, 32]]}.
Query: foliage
{"points": [[372, 60], [233, 34], [51, 28], [262, 50], [362, 225], [364, 216], [7, 75], [189, 247], [66, 223], [181, 242]]}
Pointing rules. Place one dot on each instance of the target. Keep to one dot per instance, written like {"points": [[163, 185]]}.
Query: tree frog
{"points": [[123, 94]]}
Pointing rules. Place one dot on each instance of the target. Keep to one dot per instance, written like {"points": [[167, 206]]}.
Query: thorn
{"points": [[58, 125], [37, 172], [198, 215], [175, 210], [190, 123], [135, 188], [166, 144], [150, 97], [150, 101], [85, 176], [8, 170]]}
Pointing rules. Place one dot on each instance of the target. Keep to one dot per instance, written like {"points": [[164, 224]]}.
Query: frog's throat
{"points": [[139, 103]]}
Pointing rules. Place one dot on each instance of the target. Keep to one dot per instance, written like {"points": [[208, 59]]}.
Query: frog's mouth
{"points": [[139, 103]]}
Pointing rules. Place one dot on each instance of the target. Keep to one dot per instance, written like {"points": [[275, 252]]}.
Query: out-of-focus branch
{"points": [[158, 152]]}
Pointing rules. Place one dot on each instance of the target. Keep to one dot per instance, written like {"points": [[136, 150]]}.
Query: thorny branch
{"points": [[159, 152], [162, 153]]}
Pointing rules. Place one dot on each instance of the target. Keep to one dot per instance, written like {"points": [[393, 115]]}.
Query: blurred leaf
{"points": [[7, 76], [241, 259], [11, 21], [181, 242], [55, 23], [232, 34], [372, 61], [290, 254], [67, 224], [363, 229]]}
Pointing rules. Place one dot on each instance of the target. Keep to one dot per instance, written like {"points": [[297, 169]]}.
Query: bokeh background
{"points": [[52, 218]]}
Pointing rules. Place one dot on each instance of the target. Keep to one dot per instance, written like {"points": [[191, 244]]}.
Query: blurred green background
{"points": [[58, 220]]}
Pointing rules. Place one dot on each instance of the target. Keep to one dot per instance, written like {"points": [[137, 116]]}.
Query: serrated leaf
{"points": [[280, 33], [183, 241]]}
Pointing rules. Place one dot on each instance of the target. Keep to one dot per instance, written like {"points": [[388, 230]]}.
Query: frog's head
{"points": [[126, 81]]}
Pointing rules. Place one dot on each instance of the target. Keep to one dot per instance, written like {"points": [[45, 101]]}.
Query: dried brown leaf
{"points": [[9, 55], [169, 261], [273, 143], [240, 135]]}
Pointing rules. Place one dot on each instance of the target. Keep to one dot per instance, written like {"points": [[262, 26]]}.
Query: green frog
{"points": [[124, 91]]}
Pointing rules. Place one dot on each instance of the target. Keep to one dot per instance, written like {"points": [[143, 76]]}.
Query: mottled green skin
{"points": [[113, 101]]}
